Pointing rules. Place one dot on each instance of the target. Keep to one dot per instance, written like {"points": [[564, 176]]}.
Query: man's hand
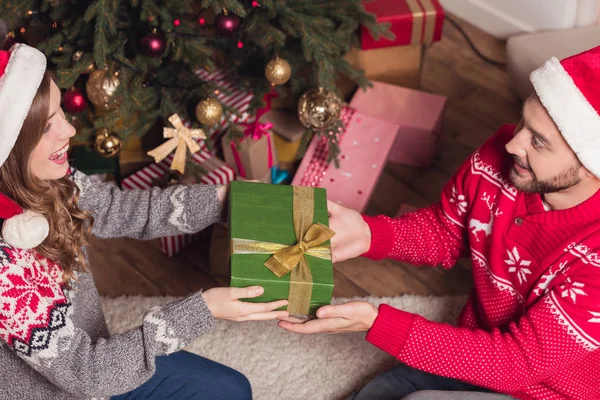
{"points": [[352, 234], [354, 316], [224, 303]]}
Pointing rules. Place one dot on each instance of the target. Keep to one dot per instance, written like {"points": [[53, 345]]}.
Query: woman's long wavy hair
{"points": [[57, 199]]}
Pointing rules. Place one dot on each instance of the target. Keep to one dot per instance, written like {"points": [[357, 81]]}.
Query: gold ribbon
{"points": [[249, 246], [181, 137], [424, 13], [291, 259]]}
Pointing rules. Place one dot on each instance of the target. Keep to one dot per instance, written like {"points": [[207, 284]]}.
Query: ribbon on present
{"points": [[181, 138], [255, 131], [424, 13], [292, 259]]}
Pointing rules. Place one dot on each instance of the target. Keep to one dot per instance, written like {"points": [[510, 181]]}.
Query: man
{"points": [[526, 207]]}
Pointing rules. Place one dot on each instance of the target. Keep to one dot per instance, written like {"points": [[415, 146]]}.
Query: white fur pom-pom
{"points": [[25, 231]]}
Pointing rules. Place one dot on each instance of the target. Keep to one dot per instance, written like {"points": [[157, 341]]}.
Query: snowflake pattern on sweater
{"points": [[35, 308], [531, 327], [53, 339]]}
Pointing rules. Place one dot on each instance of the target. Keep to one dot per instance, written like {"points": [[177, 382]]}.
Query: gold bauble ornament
{"points": [[107, 144], [101, 88], [278, 71], [209, 111], [319, 108], [77, 56]]}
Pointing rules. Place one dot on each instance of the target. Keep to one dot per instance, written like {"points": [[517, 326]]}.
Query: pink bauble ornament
{"points": [[227, 23], [154, 44]]}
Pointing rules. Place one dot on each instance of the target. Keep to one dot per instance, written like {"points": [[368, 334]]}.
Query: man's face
{"points": [[543, 161]]}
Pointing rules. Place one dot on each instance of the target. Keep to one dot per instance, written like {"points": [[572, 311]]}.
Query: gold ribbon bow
{"points": [[181, 137], [286, 259], [291, 259]]}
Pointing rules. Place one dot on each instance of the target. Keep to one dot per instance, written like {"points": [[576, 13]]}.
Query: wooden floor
{"points": [[480, 99]]}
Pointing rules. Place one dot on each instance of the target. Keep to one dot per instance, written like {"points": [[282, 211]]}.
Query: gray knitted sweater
{"points": [[55, 343]]}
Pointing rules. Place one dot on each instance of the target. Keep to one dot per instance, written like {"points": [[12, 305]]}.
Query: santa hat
{"points": [[21, 71], [570, 92], [23, 229]]}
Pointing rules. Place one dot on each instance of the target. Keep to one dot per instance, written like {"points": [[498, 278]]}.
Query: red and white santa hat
{"points": [[21, 71], [570, 91]]}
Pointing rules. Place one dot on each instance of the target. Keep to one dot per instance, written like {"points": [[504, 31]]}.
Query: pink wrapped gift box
{"points": [[419, 114], [364, 145], [218, 173]]}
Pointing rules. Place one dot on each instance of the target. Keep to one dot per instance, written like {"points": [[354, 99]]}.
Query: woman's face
{"points": [[49, 158]]}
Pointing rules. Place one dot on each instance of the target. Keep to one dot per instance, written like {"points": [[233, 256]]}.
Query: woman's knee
{"points": [[239, 386]]}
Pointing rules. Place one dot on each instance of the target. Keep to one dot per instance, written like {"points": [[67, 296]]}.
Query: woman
{"points": [[55, 343]]}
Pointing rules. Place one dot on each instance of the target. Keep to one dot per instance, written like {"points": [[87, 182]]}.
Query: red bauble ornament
{"points": [[74, 101], [227, 23], [154, 44]]}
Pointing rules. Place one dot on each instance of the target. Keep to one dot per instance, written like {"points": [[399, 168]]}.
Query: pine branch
{"points": [[230, 5], [14, 11], [312, 35]]}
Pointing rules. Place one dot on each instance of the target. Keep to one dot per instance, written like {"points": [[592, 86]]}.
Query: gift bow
{"points": [[256, 130], [181, 138], [291, 259], [286, 258]]}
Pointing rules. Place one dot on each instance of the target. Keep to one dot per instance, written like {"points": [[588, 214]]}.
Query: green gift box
{"points": [[265, 222]]}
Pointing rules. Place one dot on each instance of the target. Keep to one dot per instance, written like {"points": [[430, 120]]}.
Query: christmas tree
{"points": [[124, 64]]}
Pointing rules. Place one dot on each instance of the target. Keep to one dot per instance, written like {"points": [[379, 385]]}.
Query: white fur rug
{"points": [[283, 365]]}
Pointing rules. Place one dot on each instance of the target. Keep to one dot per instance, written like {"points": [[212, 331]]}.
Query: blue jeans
{"points": [[404, 382], [185, 376]]}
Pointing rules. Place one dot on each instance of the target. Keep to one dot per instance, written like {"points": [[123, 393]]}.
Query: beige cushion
{"points": [[529, 51]]}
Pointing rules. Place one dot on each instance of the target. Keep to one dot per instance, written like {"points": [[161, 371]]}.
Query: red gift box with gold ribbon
{"points": [[412, 21]]}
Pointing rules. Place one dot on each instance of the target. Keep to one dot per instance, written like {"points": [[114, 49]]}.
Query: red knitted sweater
{"points": [[531, 326]]}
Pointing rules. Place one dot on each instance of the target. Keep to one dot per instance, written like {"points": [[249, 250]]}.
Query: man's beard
{"points": [[560, 182]]}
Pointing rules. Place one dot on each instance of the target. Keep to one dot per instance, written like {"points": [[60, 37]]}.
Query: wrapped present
{"points": [[251, 157], [412, 22], [251, 152], [280, 241], [230, 96], [132, 156], [364, 145], [419, 114], [216, 173], [90, 162], [396, 65], [287, 134]]}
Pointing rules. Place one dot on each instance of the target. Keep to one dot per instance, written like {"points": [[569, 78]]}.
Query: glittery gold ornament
{"points": [[319, 108], [209, 111], [278, 71], [107, 144], [77, 56], [101, 88]]}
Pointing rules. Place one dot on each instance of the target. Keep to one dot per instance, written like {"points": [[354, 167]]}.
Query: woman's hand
{"points": [[352, 234], [222, 194], [224, 303]]}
